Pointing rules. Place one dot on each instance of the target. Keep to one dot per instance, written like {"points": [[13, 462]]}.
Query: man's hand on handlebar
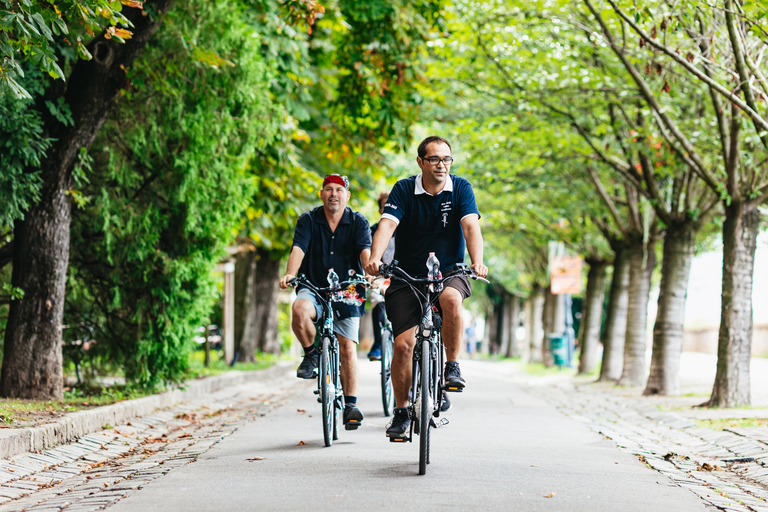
{"points": [[480, 270], [284, 281], [373, 267]]}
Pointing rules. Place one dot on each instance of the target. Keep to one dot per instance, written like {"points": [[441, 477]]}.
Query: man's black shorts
{"points": [[403, 304]]}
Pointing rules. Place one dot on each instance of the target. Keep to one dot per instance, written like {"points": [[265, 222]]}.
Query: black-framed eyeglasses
{"points": [[435, 160]]}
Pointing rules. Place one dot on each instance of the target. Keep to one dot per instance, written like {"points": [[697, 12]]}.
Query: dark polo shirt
{"points": [[427, 223], [339, 250]]}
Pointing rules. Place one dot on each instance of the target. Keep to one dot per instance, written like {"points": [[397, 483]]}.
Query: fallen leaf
{"points": [[256, 458], [301, 443], [550, 495], [534, 465], [184, 435], [302, 411]]}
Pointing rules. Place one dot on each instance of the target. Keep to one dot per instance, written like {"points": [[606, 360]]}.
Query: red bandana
{"points": [[338, 180]]}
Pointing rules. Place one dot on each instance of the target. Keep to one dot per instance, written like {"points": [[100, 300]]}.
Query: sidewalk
{"points": [[727, 468], [143, 443]]}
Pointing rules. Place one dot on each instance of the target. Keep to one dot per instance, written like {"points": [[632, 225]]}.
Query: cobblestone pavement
{"points": [[106, 466], [728, 469]]}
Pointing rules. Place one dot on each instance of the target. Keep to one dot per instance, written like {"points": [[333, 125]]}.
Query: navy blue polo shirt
{"points": [[427, 223], [339, 250]]}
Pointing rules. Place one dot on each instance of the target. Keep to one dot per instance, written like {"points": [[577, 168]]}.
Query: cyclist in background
{"points": [[330, 236], [378, 313], [432, 212]]}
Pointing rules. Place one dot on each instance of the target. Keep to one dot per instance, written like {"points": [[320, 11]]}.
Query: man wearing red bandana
{"points": [[330, 236]]}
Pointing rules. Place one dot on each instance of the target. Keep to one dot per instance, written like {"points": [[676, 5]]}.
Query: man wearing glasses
{"points": [[432, 212], [330, 236]]}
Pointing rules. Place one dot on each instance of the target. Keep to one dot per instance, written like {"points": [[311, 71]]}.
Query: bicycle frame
{"points": [[329, 389]]}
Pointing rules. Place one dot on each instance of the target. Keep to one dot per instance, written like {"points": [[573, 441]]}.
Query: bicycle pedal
{"points": [[393, 439], [317, 391], [319, 400], [454, 389], [352, 425]]}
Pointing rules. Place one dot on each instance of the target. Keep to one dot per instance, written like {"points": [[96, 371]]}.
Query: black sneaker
{"points": [[445, 404], [453, 379], [400, 422], [353, 417], [308, 367]]}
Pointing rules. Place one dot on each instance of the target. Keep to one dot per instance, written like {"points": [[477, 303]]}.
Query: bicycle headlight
{"points": [[426, 331]]}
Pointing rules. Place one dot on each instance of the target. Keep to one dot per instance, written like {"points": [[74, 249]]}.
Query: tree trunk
{"points": [[32, 356], [505, 312], [664, 378], [548, 322], [245, 311], [616, 319], [513, 349], [266, 288], [592, 315], [536, 322], [641, 262], [491, 326], [731, 389]]}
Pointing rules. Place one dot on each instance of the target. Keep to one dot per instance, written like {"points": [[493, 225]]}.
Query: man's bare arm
{"points": [[474, 237], [294, 263], [380, 241]]}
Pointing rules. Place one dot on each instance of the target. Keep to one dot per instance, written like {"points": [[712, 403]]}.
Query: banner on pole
{"points": [[565, 274]]}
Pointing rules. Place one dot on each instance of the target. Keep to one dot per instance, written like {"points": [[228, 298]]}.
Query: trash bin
{"points": [[558, 349]]}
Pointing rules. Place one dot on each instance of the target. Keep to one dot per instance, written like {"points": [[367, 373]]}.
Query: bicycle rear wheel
{"points": [[387, 349], [327, 390], [425, 411]]}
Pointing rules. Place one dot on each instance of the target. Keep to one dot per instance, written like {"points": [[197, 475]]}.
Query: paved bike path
{"points": [[503, 448]]}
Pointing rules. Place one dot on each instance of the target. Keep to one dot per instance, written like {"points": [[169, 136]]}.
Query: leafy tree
{"points": [[32, 365], [169, 184]]}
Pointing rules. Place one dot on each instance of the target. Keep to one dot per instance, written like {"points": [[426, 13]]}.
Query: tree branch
{"points": [[741, 68], [757, 119], [607, 200]]}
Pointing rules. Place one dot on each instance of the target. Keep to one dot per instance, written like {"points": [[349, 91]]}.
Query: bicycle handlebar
{"points": [[392, 270], [302, 279]]}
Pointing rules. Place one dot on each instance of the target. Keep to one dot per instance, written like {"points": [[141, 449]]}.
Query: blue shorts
{"points": [[347, 327]]}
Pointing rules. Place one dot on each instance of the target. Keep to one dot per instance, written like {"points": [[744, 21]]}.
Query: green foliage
{"points": [[22, 145], [32, 30], [348, 92], [168, 186]]}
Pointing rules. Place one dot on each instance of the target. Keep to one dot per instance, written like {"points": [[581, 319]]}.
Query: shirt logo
{"points": [[390, 205], [445, 219]]}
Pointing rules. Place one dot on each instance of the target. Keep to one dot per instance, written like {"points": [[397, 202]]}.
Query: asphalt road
{"points": [[503, 449]]}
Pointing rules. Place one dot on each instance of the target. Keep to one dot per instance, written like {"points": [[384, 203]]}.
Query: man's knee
{"points": [[450, 301], [404, 343], [347, 348], [303, 310]]}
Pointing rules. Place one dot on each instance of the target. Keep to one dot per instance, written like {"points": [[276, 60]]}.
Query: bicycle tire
{"points": [[387, 350], [327, 391], [338, 403], [425, 411]]}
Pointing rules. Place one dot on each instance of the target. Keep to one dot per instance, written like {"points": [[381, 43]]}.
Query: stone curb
{"points": [[79, 423]]}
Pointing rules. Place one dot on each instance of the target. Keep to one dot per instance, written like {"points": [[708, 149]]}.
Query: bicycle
{"points": [[329, 391], [427, 380], [387, 349]]}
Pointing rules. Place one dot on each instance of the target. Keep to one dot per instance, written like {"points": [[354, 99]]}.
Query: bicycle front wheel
{"points": [[338, 404], [387, 349], [425, 412], [327, 391]]}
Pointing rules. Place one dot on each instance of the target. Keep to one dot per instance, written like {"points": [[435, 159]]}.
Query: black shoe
{"points": [[400, 422], [453, 379], [353, 417], [308, 367], [445, 404]]}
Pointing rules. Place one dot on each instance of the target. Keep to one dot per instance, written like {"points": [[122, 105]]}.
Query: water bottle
{"points": [[433, 264], [333, 280]]}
